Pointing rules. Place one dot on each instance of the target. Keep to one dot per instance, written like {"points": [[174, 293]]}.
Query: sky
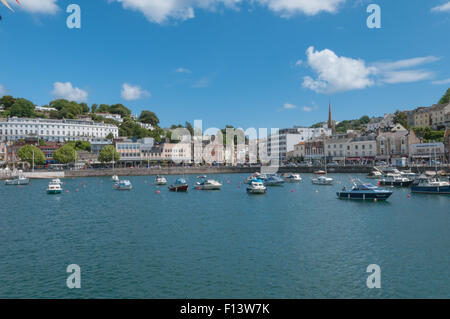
{"points": [[246, 63]]}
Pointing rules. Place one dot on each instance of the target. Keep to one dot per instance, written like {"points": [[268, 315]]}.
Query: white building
{"points": [[115, 117], [13, 129], [427, 151], [146, 126], [288, 138], [44, 109]]}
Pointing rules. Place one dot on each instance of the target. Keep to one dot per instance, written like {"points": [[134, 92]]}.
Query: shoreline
{"points": [[204, 171]]}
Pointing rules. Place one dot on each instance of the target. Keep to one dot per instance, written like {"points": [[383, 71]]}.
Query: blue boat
{"points": [[273, 180], [430, 185], [362, 191]]}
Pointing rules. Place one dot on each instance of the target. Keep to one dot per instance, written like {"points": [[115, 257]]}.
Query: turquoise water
{"points": [[298, 241]]}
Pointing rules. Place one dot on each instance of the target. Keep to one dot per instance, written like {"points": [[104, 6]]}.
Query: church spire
{"points": [[330, 120]]}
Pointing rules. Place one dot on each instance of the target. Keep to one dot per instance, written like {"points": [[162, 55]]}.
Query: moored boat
{"points": [[180, 185], [293, 178], [361, 191], [160, 180], [208, 184], [54, 188], [375, 174], [123, 185], [115, 178], [430, 185], [322, 180], [394, 180], [273, 180], [320, 172], [256, 187], [18, 180]]}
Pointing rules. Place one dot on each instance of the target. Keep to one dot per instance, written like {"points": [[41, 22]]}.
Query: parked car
{"points": [[332, 164]]}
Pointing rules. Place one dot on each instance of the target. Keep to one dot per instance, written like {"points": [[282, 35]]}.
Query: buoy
{"points": [[77, 190], [67, 191], [158, 192], [228, 182], [198, 188], [292, 191], [239, 186], [409, 195]]}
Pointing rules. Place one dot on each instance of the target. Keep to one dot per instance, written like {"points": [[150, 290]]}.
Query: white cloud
{"points": [[299, 63], [133, 92], [442, 8], [441, 82], [310, 108], [161, 11], [336, 74], [340, 74], [41, 6], [68, 92], [2, 90], [204, 82], [289, 106], [183, 70]]}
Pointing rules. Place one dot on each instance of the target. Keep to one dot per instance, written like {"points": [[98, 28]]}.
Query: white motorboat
{"points": [[56, 181], [160, 180], [322, 180], [115, 178], [376, 174], [123, 185], [256, 187], [18, 180], [293, 178], [54, 188], [208, 184]]}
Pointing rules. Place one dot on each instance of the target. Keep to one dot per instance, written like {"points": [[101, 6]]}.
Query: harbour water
{"points": [[297, 241]]}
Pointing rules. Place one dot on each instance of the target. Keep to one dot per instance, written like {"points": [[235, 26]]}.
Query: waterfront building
{"points": [[289, 137], [49, 149], [394, 144], [362, 148], [14, 129], [299, 150], [98, 144], [315, 150], [336, 146], [420, 152], [438, 113], [447, 144], [134, 150]]}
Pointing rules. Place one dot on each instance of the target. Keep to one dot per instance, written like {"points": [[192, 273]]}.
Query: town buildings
{"points": [[15, 129]]}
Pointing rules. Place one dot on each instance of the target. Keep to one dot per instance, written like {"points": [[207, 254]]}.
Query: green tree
{"points": [[80, 145], [26, 154], [401, 118], [110, 136], [67, 109], [7, 101], [22, 108], [106, 154], [445, 98], [65, 154], [149, 117]]}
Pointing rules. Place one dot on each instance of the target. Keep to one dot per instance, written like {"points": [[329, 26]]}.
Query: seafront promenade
{"points": [[208, 171]]}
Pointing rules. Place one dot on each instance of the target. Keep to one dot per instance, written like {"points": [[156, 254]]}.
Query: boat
{"points": [[180, 185], [293, 178], [256, 187], [249, 179], [322, 180], [430, 185], [375, 174], [123, 185], [208, 184], [395, 180], [56, 181], [18, 180], [115, 178], [54, 188], [273, 180], [160, 180], [320, 172], [361, 191], [202, 177]]}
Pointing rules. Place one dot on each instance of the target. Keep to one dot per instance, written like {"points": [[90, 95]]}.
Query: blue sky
{"points": [[259, 63]]}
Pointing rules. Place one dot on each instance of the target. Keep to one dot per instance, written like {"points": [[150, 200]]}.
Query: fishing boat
{"points": [[361, 191], [208, 184], [293, 178], [322, 180], [430, 185], [115, 178], [54, 188], [273, 180], [395, 180], [123, 185], [180, 185], [160, 180], [18, 180], [256, 187]]}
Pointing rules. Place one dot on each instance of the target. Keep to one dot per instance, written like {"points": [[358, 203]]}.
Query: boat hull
{"points": [[183, 188], [364, 196], [54, 192], [395, 184], [17, 182], [256, 191], [438, 190]]}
